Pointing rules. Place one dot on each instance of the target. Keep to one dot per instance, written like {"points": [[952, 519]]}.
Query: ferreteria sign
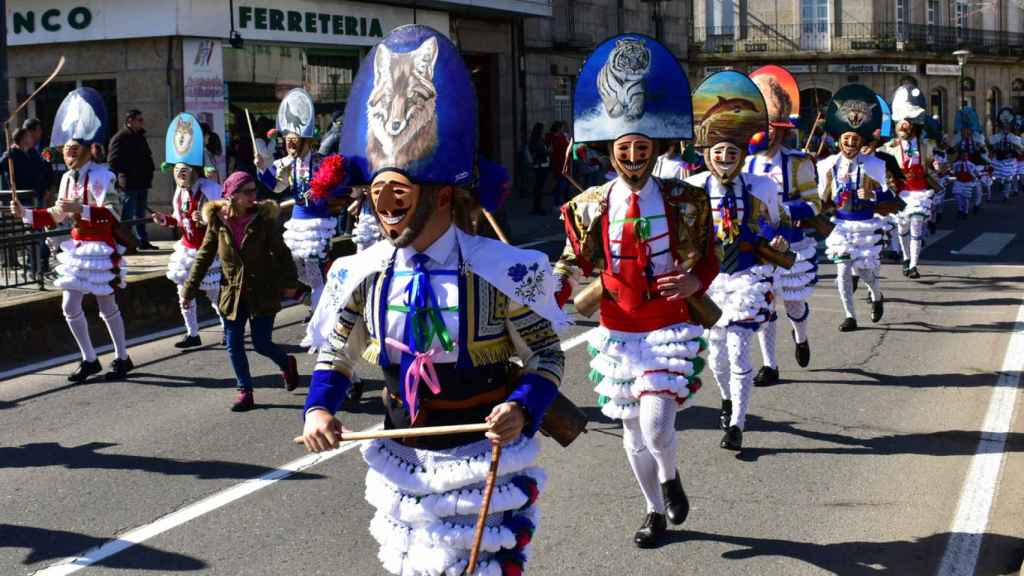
{"points": [[257, 18]]}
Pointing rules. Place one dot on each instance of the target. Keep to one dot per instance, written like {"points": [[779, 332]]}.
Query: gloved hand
{"points": [[565, 292]]}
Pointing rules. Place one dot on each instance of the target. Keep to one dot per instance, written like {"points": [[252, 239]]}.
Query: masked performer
{"points": [[90, 261], [943, 175], [435, 300], [793, 174], [911, 150], [309, 231], [850, 184], [184, 153], [969, 162], [650, 241], [746, 207], [1004, 146]]}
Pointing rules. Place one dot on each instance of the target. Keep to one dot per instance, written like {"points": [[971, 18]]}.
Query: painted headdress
{"points": [[728, 107], [631, 84], [1005, 117], [81, 117], [854, 108], [967, 117], [412, 109], [908, 103], [887, 128], [184, 141], [781, 95], [296, 114]]}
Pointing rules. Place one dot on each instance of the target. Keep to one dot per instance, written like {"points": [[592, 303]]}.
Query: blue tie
{"points": [[418, 298]]}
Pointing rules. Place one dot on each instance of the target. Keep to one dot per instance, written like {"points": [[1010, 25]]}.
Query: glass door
{"points": [[814, 25]]}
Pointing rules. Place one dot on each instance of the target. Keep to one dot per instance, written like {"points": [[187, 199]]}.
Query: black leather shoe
{"points": [[726, 414], [848, 325], [766, 376], [856, 283], [913, 274], [677, 505], [906, 267], [189, 342], [118, 369], [147, 246], [877, 309], [733, 439], [650, 534], [803, 352], [84, 370]]}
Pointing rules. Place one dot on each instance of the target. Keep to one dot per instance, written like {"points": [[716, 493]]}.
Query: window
{"points": [[938, 105], [902, 17], [933, 13], [814, 25]]}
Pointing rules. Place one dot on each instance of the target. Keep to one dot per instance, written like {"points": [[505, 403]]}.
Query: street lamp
{"points": [[961, 60]]}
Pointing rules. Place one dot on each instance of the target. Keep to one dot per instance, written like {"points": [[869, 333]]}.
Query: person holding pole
{"points": [[442, 312]]}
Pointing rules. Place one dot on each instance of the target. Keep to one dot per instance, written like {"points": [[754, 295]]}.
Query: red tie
{"points": [[633, 261]]}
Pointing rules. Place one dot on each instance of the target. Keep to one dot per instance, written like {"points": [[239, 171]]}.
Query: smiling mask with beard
{"points": [[850, 144], [724, 160], [633, 158], [402, 208]]}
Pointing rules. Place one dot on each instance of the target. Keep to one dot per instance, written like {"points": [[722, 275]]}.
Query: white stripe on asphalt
{"points": [[933, 239], [982, 482], [986, 244], [192, 511], [577, 340], [544, 240]]}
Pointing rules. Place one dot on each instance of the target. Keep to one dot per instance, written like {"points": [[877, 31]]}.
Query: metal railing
{"points": [[853, 37]]}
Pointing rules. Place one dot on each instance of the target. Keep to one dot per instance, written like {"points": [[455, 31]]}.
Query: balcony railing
{"points": [[853, 37]]}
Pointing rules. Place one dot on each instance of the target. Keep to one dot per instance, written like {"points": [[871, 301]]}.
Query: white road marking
{"points": [[192, 511], [986, 244], [577, 340], [544, 240], [933, 239], [982, 482]]}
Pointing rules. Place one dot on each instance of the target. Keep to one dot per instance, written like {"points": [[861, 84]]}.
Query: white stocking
{"points": [[645, 468], [844, 280], [311, 275], [718, 359], [658, 426], [213, 295], [71, 305], [111, 315], [766, 338], [904, 232], [188, 313], [798, 314], [916, 236], [870, 277], [741, 373]]}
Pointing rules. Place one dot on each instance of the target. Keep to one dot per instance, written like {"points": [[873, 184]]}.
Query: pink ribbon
{"points": [[421, 369]]}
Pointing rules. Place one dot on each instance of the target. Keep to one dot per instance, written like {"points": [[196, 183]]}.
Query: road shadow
{"points": [[949, 380], [89, 457], [921, 327], [866, 558], [46, 545], [958, 303]]}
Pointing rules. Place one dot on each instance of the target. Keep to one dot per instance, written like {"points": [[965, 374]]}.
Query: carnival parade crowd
{"points": [[706, 228]]}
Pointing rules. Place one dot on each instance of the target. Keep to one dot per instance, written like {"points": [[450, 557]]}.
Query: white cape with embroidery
{"points": [[523, 275]]}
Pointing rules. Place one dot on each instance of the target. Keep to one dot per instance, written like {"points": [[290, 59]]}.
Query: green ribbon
{"points": [[426, 324]]}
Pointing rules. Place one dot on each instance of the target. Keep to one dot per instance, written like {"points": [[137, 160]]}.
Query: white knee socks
{"points": [[844, 280], [111, 315], [798, 314], [916, 237], [766, 338], [645, 467], [71, 304], [729, 358], [658, 427]]}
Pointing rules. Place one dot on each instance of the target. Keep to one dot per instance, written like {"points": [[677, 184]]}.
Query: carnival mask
{"points": [[402, 208], [850, 144], [295, 145], [903, 130], [76, 155], [724, 160], [184, 175], [633, 159]]}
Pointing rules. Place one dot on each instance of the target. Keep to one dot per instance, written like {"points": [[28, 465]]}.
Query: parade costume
{"points": [[312, 224], [184, 153], [746, 209], [91, 260], [633, 231], [941, 167], [1004, 147], [793, 174], [442, 324], [969, 162], [843, 178], [911, 151]]}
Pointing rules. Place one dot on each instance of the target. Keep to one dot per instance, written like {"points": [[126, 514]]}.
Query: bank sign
{"points": [[301, 21]]}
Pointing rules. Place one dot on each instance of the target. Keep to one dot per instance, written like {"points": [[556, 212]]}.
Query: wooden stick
{"points": [[494, 224], [485, 506], [10, 168], [565, 169], [252, 135], [810, 136], [60, 66], [410, 432]]}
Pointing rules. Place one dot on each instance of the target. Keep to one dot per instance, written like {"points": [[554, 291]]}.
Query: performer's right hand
{"points": [[160, 218], [565, 292], [185, 302], [17, 209], [260, 163], [321, 432]]}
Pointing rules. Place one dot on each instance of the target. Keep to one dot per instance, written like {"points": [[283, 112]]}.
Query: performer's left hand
{"points": [[864, 194], [507, 420], [779, 244], [69, 207], [679, 286]]}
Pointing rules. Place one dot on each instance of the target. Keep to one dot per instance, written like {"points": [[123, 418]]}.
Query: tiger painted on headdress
{"points": [[621, 80]]}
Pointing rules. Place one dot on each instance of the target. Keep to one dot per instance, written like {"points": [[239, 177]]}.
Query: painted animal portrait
{"points": [[855, 112], [183, 136], [729, 120], [297, 113], [402, 108], [778, 101], [621, 80]]}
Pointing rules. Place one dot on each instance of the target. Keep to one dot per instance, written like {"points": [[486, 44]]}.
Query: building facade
{"points": [[220, 59], [879, 43]]}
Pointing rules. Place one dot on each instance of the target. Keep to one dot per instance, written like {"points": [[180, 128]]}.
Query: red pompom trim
{"points": [[328, 177]]}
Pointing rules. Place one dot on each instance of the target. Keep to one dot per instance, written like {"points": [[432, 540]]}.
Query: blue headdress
{"points": [[296, 114], [885, 131], [81, 117], [412, 109], [631, 84], [967, 117], [184, 141]]}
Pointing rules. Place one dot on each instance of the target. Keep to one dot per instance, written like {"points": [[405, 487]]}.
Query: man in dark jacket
{"points": [[132, 160]]}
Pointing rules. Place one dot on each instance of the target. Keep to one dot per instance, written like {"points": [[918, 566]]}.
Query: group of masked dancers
{"points": [[685, 270]]}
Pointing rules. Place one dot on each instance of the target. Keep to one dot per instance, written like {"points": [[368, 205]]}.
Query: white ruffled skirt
{"points": [[309, 237], [180, 266], [1004, 168], [366, 232], [798, 282], [427, 502], [743, 296], [858, 241], [919, 203], [86, 266], [627, 365]]}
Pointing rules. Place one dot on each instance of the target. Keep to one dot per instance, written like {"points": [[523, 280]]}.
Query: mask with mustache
{"points": [[724, 160], [850, 144], [633, 158], [402, 208]]}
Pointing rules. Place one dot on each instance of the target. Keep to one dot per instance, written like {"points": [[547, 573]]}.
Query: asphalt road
{"points": [[853, 466]]}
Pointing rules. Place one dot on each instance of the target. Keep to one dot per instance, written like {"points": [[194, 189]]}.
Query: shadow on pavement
{"points": [[920, 327], [959, 303], [950, 380], [88, 456], [50, 545]]}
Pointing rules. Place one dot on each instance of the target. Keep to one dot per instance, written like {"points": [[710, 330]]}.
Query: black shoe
{"points": [[906, 267], [803, 352], [877, 309], [726, 415], [733, 439], [189, 342], [84, 370], [848, 325], [856, 283], [649, 535], [932, 227], [147, 246], [913, 273], [118, 369], [677, 505], [766, 376]]}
